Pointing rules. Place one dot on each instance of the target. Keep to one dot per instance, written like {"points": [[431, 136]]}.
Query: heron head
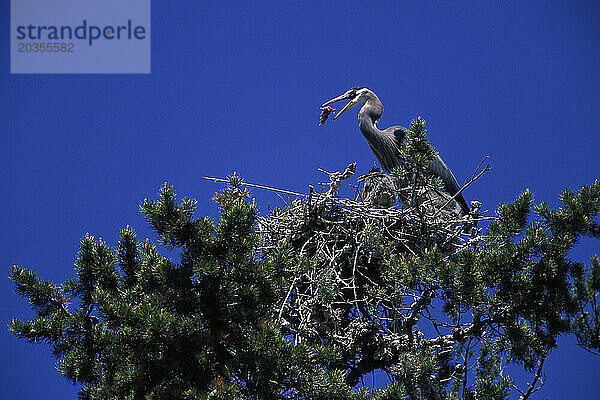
{"points": [[356, 95]]}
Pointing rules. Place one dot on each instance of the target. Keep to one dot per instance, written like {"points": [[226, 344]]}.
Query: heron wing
{"points": [[386, 146], [399, 133], [438, 167]]}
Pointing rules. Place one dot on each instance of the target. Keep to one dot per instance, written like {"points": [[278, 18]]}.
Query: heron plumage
{"points": [[386, 144]]}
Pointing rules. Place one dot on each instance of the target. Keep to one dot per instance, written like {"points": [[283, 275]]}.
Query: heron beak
{"points": [[339, 98], [348, 106]]}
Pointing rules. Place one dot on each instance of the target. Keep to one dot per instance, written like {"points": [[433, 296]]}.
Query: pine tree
{"points": [[306, 302]]}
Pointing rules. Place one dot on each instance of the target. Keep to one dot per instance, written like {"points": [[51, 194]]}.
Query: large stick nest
{"points": [[342, 245]]}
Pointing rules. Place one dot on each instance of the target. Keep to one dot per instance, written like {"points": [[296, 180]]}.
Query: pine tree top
{"points": [[306, 302]]}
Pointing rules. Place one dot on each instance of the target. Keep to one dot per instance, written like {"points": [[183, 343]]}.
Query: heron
{"points": [[378, 188], [386, 143]]}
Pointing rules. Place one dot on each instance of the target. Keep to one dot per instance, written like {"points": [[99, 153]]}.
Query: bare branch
{"points": [[532, 388], [209, 178], [479, 166], [487, 168]]}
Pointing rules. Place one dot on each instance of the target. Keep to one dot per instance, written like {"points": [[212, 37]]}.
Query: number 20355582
{"points": [[27, 47]]}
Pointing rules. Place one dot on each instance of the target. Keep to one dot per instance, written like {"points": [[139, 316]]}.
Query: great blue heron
{"points": [[385, 144]]}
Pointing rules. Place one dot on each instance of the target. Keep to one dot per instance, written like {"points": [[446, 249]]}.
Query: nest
{"points": [[338, 293], [341, 244], [320, 223]]}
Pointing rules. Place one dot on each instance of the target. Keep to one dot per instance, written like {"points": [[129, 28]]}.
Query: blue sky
{"points": [[237, 87]]}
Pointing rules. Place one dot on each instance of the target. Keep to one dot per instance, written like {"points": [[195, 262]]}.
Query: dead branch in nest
{"points": [[210, 178], [466, 185]]}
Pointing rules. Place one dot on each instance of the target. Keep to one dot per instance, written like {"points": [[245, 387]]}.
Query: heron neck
{"points": [[368, 116]]}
